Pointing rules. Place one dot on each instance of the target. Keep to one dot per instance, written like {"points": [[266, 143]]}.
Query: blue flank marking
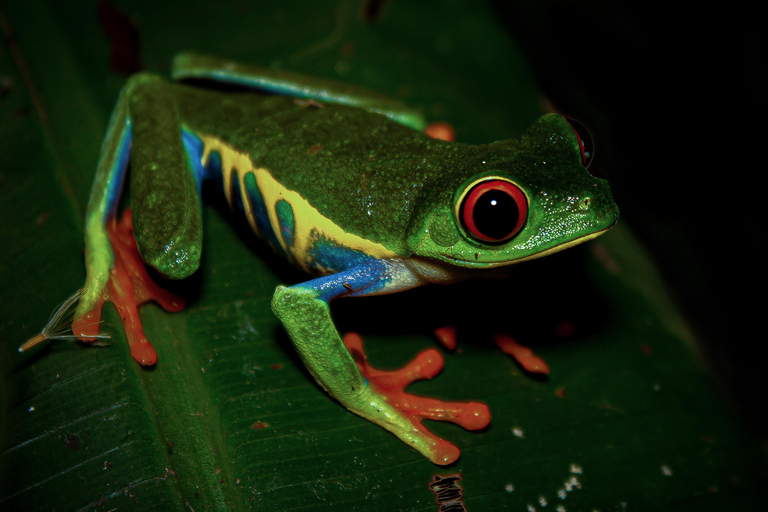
{"points": [[286, 220], [194, 148], [355, 269], [259, 212], [213, 172], [118, 172]]}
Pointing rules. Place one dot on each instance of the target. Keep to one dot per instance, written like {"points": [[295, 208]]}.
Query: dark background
{"points": [[675, 95]]}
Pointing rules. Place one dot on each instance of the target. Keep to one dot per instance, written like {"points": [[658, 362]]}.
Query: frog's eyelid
{"points": [[586, 141]]}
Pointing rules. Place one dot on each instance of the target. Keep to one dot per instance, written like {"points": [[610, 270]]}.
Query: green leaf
{"points": [[229, 419]]}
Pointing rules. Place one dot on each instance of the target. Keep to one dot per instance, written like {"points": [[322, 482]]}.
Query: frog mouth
{"points": [[461, 262]]}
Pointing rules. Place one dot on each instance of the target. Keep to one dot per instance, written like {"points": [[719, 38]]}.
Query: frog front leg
{"points": [[305, 313], [163, 227]]}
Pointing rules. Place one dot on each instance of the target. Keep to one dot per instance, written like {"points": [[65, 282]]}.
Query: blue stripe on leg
{"points": [[371, 277], [117, 173]]}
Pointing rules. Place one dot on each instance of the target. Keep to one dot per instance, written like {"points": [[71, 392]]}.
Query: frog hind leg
{"points": [[164, 193], [372, 394], [280, 81]]}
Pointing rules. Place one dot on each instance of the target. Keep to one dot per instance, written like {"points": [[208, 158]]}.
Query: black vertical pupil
{"points": [[495, 214]]}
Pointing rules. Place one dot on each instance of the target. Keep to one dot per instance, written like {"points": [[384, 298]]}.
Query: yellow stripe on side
{"points": [[309, 223]]}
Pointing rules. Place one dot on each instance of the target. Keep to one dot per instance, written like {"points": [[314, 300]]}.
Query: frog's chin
{"points": [[479, 264]]}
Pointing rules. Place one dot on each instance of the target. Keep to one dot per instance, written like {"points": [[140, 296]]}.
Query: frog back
{"points": [[325, 184]]}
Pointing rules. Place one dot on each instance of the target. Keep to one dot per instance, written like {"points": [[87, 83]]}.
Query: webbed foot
{"points": [[129, 286], [390, 385]]}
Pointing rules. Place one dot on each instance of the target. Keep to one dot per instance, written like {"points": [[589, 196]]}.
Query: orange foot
{"points": [[129, 286], [391, 385], [522, 354]]}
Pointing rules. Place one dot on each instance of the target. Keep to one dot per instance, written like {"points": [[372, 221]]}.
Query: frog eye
{"points": [[585, 141], [493, 210]]}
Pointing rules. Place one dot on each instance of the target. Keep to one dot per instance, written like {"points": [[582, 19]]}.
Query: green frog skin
{"points": [[344, 184]]}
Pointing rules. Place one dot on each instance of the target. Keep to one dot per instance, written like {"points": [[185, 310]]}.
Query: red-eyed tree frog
{"points": [[343, 183]]}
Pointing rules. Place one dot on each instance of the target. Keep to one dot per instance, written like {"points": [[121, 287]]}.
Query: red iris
{"points": [[494, 211]]}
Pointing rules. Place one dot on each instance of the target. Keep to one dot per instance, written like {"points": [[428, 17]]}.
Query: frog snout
{"points": [[598, 203]]}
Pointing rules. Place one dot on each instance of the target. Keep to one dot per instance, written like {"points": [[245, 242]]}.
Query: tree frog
{"points": [[343, 183]]}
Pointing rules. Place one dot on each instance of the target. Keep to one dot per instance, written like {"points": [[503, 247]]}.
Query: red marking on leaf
{"points": [[123, 38]]}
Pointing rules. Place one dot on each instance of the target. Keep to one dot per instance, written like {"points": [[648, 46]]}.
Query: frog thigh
{"points": [[165, 198], [280, 81], [303, 310]]}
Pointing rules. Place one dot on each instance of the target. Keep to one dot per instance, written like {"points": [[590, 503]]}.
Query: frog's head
{"points": [[513, 201]]}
